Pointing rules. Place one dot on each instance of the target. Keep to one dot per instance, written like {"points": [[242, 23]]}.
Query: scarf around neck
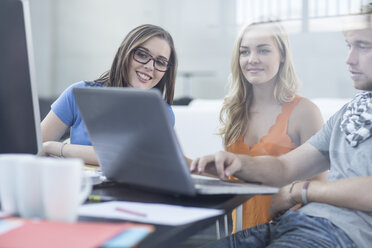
{"points": [[357, 119]]}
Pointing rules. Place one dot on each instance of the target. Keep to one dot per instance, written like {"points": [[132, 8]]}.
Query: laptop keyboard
{"points": [[215, 182]]}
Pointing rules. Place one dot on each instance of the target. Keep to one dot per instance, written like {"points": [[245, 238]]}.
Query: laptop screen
{"points": [[19, 108]]}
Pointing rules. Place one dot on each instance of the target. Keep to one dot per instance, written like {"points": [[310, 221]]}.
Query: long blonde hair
{"points": [[117, 76], [234, 114]]}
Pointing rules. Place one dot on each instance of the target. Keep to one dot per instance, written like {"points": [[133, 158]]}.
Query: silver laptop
{"points": [[133, 136]]}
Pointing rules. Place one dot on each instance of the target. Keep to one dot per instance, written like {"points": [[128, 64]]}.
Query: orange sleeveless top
{"points": [[275, 143]]}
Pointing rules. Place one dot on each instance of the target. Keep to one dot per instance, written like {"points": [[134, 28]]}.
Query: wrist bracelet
{"points": [[304, 192], [292, 184], [61, 150]]}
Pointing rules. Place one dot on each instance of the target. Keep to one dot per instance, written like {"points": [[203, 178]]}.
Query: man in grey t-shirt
{"points": [[336, 213]]}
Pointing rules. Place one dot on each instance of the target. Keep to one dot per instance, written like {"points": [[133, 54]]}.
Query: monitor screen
{"points": [[19, 108]]}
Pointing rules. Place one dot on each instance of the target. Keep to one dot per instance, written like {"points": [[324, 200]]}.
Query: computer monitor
{"points": [[19, 108]]}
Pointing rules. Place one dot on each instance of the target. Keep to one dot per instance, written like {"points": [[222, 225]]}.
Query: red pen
{"points": [[127, 211]]}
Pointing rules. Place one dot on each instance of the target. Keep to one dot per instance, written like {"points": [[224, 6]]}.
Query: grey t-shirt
{"points": [[345, 162]]}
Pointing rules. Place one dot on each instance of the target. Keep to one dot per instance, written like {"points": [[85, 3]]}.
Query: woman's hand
{"points": [[51, 148]]}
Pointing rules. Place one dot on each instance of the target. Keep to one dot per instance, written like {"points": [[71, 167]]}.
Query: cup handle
{"points": [[87, 182]]}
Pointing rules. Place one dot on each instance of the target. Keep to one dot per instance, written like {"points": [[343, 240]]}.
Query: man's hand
{"points": [[287, 197], [223, 164]]}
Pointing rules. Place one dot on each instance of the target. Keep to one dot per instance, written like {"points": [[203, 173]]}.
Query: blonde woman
{"points": [[262, 114], [145, 59]]}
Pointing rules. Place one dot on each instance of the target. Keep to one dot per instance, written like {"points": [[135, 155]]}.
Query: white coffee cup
{"points": [[9, 180], [29, 185], [64, 188]]}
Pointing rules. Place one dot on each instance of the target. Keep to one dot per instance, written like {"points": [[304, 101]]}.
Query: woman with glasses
{"points": [[262, 115], [145, 59]]}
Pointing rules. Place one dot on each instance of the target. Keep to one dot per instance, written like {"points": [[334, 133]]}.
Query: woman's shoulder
{"points": [[68, 92], [305, 105], [79, 84], [306, 110], [83, 84], [93, 84], [305, 120], [300, 106]]}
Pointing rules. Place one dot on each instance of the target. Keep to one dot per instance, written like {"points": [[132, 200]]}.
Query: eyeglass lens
{"points": [[143, 58]]}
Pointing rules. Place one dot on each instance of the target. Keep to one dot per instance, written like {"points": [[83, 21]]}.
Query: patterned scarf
{"points": [[357, 119]]}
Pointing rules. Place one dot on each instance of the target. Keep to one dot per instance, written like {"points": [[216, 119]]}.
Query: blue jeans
{"points": [[293, 229]]}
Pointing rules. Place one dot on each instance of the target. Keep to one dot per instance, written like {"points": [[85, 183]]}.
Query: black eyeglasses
{"points": [[144, 57]]}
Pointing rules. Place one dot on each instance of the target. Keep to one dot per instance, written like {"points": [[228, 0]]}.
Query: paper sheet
{"points": [[162, 214]]}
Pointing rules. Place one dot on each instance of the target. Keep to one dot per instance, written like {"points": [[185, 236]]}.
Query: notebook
{"points": [[133, 137], [16, 232]]}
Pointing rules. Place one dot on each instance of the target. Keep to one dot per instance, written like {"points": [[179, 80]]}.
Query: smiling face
{"points": [[145, 76], [359, 60], [259, 58]]}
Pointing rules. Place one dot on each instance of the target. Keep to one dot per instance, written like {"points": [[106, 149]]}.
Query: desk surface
{"points": [[170, 236]]}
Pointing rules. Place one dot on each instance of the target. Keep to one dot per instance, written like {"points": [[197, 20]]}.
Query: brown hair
{"points": [[117, 76]]}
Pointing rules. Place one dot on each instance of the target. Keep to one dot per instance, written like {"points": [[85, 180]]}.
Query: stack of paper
{"points": [[153, 213]]}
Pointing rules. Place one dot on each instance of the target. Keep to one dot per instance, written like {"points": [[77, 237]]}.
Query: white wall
{"points": [[204, 32], [319, 59], [42, 34], [76, 40]]}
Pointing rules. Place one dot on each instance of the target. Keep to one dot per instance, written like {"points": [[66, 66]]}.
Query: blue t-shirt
{"points": [[66, 109]]}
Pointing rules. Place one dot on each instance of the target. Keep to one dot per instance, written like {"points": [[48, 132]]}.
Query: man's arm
{"points": [[351, 193], [341, 193], [301, 163]]}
